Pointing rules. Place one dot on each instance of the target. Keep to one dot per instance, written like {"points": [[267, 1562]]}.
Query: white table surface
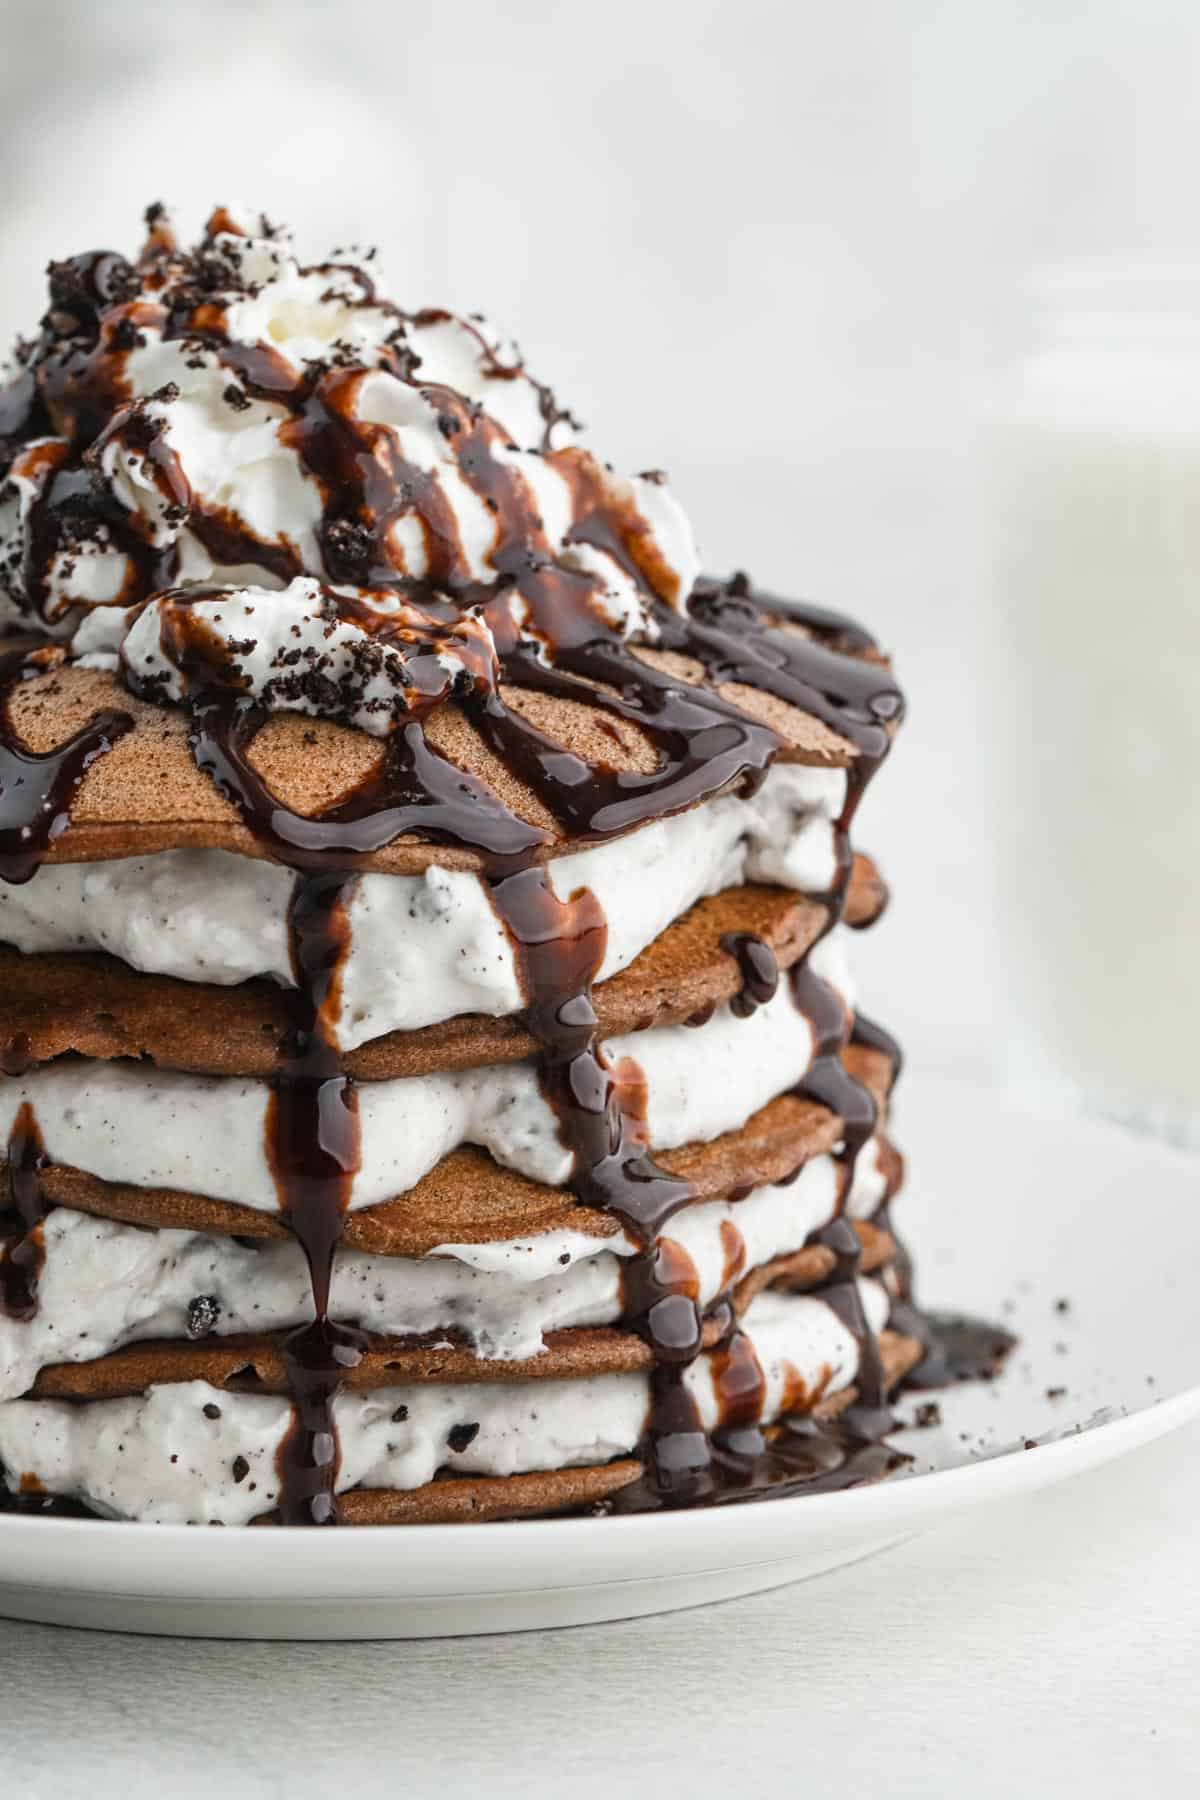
{"points": [[1049, 1647]]}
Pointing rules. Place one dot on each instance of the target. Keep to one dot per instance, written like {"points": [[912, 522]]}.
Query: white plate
{"points": [[1008, 1213]]}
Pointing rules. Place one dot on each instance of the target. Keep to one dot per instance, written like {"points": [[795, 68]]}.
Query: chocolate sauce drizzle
{"points": [[36, 787], [561, 947], [23, 1255], [868, 1034], [828, 1081], [313, 1143], [758, 969]]}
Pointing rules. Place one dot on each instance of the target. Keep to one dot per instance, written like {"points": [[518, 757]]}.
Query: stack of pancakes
{"points": [[145, 1390], [433, 1086]]}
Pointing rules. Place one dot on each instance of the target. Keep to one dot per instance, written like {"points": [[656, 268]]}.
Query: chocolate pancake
{"points": [[456, 1499], [460, 1500], [148, 794], [93, 1005]]}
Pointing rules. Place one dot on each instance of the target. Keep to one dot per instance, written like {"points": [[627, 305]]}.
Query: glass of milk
{"points": [[1093, 504]]}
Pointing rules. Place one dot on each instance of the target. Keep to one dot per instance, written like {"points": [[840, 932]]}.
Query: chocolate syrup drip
{"points": [[313, 1146], [870, 1035], [734, 634], [828, 1081], [659, 1294], [757, 967], [560, 946], [740, 1387], [36, 787], [740, 1460], [24, 1256], [703, 744], [838, 628], [313, 1126], [800, 1454], [840, 1293], [413, 790]]}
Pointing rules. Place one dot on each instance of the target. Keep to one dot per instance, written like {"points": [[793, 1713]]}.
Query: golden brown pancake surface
{"points": [[147, 794]]}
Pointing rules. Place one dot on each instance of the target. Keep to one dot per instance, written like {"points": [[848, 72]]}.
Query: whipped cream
{"points": [[350, 654], [104, 1284], [424, 948], [233, 418], [165, 1456], [127, 1122]]}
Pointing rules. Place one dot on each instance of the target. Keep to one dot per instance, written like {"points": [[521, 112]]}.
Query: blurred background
{"points": [[904, 297]]}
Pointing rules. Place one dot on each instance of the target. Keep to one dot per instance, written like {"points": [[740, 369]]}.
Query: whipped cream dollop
{"points": [[282, 483], [359, 657]]}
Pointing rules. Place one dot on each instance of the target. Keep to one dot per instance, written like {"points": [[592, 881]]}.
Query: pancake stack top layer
{"points": [[305, 578]]}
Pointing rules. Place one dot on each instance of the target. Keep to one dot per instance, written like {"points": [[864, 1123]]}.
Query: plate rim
{"points": [[83, 1547]]}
